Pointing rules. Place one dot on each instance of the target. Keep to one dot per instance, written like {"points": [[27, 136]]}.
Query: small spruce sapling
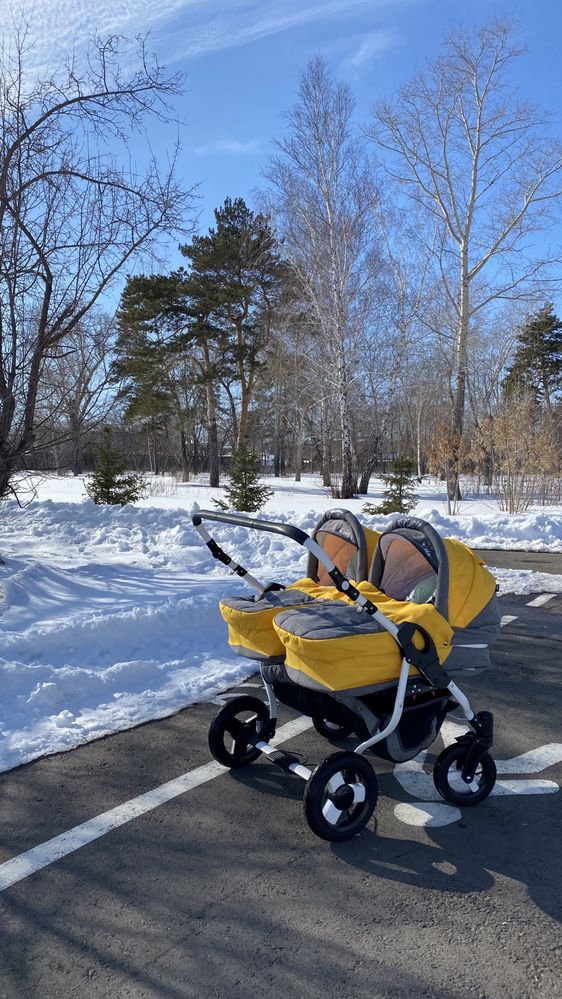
{"points": [[244, 491], [399, 495], [108, 484]]}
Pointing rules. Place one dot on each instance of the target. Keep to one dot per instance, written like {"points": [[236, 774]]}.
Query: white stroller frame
{"points": [[474, 745]]}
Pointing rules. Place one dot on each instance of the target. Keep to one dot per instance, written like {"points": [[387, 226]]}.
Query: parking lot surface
{"points": [[223, 891]]}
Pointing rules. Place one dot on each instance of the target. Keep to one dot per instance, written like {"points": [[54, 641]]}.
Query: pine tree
{"points": [[235, 280], [537, 362], [399, 495], [108, 485], [244, 491]]}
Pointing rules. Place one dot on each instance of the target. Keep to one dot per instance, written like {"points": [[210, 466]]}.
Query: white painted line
{"points": [[525, 787], [542, 599], [532, 762], [427, 814], [40, 856], [507, 619]]}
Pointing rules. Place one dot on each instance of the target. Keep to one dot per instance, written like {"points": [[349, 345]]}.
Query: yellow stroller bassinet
{"points": [[427, 613]]}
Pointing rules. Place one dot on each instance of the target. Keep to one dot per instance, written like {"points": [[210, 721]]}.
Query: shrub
{"points": [[399, 495], [108, 484], [244, 491]]}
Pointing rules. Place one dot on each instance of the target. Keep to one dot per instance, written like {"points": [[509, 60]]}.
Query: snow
{"points": [[110, 615]]}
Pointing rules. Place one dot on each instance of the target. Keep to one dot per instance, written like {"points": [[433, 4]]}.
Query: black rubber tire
{"points": [[450, 762], [231, 722], [352, 818], [329, 730]]}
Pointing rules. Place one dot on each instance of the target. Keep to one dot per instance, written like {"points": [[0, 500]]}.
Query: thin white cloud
{"points": [[232, 146], [192, 27], [370, 46]]}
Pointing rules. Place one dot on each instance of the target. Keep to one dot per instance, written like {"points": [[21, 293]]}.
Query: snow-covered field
{"points": [[109, 615]]}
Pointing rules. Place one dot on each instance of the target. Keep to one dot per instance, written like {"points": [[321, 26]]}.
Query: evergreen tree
{"points": [[244, 491], [399, 495], [537, 362], [108, 484], [235, 281], [149, 353]]}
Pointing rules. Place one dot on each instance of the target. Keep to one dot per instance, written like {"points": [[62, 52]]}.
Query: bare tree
{"points": [[525, 452], [75, 392], [325, 199], [71, 214], [482, 166]]}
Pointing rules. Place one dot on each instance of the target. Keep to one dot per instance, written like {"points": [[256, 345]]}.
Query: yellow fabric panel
{"points": [[359, 660], [471, 586], [316, 590], [344, 663], [400, 611], [372, 539], [254, 631]]}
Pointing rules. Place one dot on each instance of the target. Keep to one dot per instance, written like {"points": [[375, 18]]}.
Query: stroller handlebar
{"points": [[340, 580], [238, 520]]}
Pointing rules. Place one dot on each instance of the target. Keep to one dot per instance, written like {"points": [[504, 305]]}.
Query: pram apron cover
{"points": [[250, 618], [334, 647]]}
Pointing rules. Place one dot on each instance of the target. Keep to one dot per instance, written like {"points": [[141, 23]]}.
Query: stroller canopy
{"points": [[343, 539], [412, 562]]}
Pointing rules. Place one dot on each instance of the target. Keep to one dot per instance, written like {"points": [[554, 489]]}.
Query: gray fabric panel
{"points": [[329, 620], [358, 707], [346, 697], [241, 650], [467, 660], [302, 680], [274, 671], [399, 753], [345, 524], [276, 598], [485, 627]]}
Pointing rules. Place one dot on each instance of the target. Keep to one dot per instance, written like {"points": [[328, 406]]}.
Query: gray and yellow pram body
{"points": [[427, 614]]}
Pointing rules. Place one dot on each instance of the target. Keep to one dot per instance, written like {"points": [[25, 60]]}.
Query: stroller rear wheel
{"points": [[448, 779], [331, 730], [228, 733], [340, 796]]}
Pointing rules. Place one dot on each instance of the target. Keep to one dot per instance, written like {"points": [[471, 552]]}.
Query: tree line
{"points": [[390, 295]]}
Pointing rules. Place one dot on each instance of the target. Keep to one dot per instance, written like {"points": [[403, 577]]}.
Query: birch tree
{"points": [[483, 166], [325, 198]]}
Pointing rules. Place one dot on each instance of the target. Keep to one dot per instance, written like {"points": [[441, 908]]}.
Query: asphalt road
{"points": [[224, 891]]}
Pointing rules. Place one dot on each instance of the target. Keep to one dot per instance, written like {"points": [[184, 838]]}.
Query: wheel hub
{"points": [[344, 797]]}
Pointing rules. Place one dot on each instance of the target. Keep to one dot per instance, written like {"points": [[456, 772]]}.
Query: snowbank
{"points": [[109, 615]]}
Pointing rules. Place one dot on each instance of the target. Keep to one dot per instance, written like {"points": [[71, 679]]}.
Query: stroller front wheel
{"points": [[340, 796], [228, 733], [448, 780]]}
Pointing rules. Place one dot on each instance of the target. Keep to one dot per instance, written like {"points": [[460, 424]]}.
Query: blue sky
{"points": [[243, 59]]}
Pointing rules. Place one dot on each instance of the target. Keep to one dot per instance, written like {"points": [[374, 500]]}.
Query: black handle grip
{"points": [[259, 525]]}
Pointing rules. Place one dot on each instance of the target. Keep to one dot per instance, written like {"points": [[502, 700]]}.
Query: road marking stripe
{"points": [[542, 599], [25, 864], [532, 762], [507, 619]]}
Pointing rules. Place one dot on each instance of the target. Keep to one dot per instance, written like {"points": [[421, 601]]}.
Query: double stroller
{"points": [[369, 644]]}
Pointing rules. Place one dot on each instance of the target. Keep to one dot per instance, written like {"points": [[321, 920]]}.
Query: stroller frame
{"points": [[341, 786]]}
